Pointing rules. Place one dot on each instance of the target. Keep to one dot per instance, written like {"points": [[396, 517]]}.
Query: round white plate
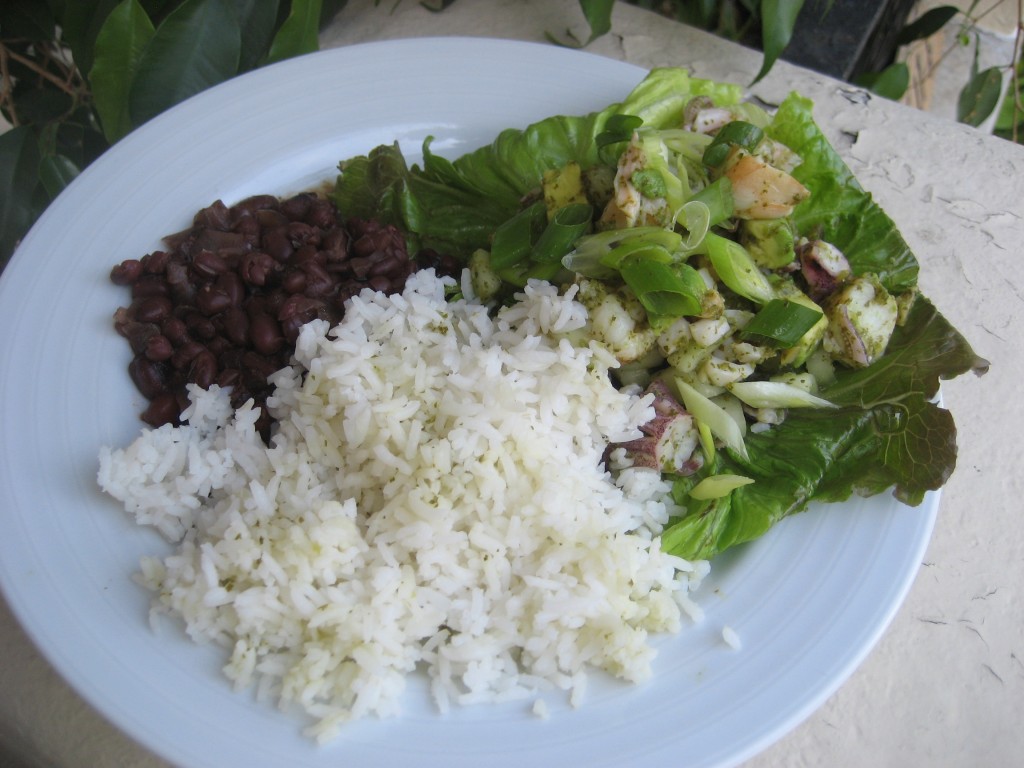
{"points": [[808, 600]]}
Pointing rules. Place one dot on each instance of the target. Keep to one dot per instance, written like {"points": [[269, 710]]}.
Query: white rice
{"points": [[731, 638], [435, 498]]}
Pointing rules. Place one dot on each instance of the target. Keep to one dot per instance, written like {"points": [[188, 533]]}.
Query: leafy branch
{"points": [[78, 75]]}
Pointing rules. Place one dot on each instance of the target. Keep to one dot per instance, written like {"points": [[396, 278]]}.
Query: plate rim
{"points": [[145, 134]]}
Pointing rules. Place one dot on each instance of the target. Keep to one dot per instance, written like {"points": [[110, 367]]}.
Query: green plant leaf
{"points": [[197, 46], [55, 173], [778, 18], [299, 32], [980, 96], [927, 24], [19, 163], [1010, 120], [78, 137], [29, 19], [891, 83], [258, 20], [80, 23], [119, 48], [598, 14], [331, 8], [38, 105], [437, 5]]}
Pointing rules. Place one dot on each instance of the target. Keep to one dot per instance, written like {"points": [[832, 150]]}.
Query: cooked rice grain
{"points": [[435, 496]]}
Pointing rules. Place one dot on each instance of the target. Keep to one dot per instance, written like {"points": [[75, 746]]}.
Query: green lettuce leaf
{"points": [[839, 210], [887, 433], [454, 205]]}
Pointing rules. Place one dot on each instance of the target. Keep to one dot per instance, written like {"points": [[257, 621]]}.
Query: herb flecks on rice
{"points": [[435, 496]]}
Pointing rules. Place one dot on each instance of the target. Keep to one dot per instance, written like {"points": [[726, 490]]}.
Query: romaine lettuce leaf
{"points": [[454, 205], [888, 432], [839, 210]]}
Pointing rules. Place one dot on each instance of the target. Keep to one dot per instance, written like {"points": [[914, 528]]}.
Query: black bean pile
{"points": [[225, 302]]}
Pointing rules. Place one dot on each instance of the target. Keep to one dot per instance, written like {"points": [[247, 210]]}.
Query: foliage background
{"points": [[77, 75]]}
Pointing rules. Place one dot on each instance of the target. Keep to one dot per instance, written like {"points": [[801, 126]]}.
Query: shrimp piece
{"points": [[760, 190], [618, 320], [628, 206]]}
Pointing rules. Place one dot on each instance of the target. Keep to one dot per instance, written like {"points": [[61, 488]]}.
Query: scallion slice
{"points": [[776, 394], [567, 226], [738, 133], [513, 240], [618, 128], [717, 486], [668, 290], [781, 323], [737, 269], [717, 196], [721, 424]]}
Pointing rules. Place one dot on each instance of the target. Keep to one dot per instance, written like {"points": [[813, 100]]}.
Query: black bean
{"points": [[198, 326], [127, 272], [152, 309], [228, 377], [158, 348], [155, 263], [277, 245], [300, 233], [321, 214], [225, 302], [150, 285], [185, 354], [294, 281], [255, 267], [138, 334], [236, 326], [214, 216], [297, 206], [163, 409], [210, 300], [150, 378], [203, 369], [270, 218], [231, 285], [265, 333], [208, 263], [175, 330]]}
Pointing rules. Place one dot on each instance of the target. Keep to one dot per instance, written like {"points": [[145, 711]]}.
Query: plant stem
{"points": [[65, 83], [1015, 75], [7, 87]]}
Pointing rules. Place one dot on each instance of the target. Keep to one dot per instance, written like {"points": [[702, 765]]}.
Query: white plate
{"points": [[809, 600]]}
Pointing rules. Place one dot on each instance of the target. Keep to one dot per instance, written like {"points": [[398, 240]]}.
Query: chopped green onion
{"points": [[618, 128], [636, 248], [669, 290], [737, 133], [721, 424], [776, 394], [781, 323], [695, 218], [592, 253], [685, 143], [707, 441], [737, 269], [566, 227], [717, 196], [513, 240], [717, 486]]}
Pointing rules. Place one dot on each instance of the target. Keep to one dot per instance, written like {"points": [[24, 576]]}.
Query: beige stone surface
{"points": [[945, 686]]}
